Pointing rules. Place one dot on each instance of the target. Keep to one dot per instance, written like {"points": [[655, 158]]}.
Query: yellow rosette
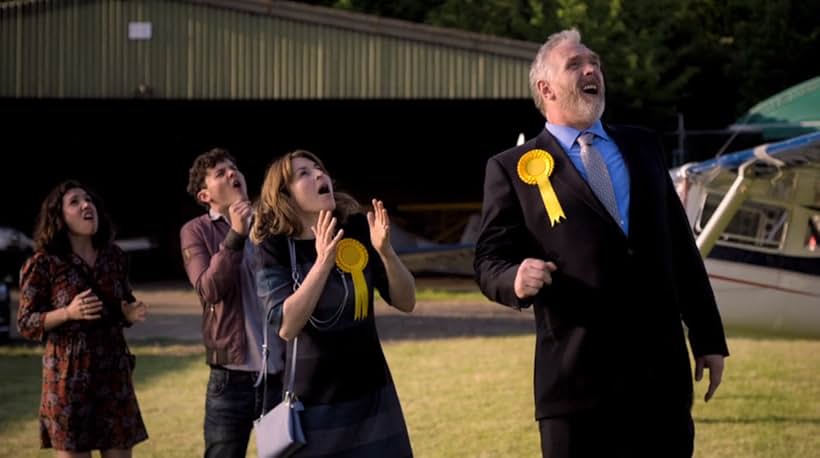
{"points": [[535, 167], [351, 257]]}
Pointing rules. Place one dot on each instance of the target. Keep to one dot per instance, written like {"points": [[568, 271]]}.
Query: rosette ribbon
{"points": [[535, 168], [351, 257]]}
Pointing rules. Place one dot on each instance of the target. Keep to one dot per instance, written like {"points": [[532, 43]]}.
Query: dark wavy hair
{"points": [[199, 170], [51, 231]]}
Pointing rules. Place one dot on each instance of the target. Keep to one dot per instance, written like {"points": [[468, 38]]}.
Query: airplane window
{"points": [[754, 223]]}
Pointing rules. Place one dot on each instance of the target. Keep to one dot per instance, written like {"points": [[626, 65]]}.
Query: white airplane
{"points": [[756, 214]]}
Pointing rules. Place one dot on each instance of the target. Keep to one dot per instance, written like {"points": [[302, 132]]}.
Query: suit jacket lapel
{"points": [[567, 177]]}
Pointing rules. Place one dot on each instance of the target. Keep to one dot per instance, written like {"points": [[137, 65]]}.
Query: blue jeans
{"points": [[231, 405]]}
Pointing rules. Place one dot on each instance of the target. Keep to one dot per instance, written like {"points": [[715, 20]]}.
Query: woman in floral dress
{"points": [[75, 297]]}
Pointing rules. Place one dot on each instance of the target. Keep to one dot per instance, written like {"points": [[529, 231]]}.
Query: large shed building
{"points": [[123, 94]]}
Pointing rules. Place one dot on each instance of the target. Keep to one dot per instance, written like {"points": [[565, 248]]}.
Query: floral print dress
{"points": [[88, 400]]}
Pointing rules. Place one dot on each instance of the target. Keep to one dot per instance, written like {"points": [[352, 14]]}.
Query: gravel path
{"points": [[175, 315]]}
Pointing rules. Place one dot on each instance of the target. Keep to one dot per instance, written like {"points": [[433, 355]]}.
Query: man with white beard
{"points": [[582, 223]]}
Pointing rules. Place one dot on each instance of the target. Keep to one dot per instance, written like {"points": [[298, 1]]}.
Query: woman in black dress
{"points": [[319, 261]]}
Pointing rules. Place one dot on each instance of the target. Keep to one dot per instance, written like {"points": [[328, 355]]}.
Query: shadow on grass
{"points": [[753, 397], [739, 332], [770, 419], [410, 327], [395, 326], [21, 369], [420, 326]]}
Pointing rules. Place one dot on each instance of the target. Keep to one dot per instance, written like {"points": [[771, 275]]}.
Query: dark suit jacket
{"points": [[609, 327]]}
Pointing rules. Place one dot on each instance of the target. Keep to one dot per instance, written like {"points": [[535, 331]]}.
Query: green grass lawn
{"points": [[466, 397], [437, 294]]}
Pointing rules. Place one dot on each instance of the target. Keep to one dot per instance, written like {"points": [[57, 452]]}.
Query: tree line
{"points": [[710, 60]]}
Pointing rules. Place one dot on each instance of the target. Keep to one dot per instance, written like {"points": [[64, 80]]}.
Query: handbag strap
{"points": [[263, 374]]}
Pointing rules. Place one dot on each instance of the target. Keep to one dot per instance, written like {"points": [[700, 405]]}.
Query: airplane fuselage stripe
{"points": [[763, 285]]}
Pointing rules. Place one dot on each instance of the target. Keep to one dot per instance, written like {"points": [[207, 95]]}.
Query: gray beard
{"points": [[580, 107]]}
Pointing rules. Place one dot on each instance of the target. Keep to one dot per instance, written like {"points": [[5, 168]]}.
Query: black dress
{"points": [[342, 378]]}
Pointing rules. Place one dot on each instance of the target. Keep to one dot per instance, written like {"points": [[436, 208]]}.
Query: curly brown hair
{"points": [[50, 230], [276, 212], [198, 171]]}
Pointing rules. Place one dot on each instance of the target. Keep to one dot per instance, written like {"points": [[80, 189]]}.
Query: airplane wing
{"points": [[454, 259], [136, 244], [423, 256], [757, 172], [802, 151]]}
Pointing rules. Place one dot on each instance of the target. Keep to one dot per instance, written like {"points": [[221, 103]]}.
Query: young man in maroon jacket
{"points": [[219, 262]]}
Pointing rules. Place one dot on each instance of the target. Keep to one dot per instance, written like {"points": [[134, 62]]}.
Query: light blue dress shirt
{"points": [[568, 139]]}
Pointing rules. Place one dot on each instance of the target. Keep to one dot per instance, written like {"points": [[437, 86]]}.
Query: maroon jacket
{"points": [[212, 253]]}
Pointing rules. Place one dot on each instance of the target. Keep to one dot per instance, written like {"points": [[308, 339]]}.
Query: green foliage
{"points": [[519, 19], [711, 60]]}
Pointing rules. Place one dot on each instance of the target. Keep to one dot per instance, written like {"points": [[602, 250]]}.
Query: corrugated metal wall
{"points": [[81, 49]]}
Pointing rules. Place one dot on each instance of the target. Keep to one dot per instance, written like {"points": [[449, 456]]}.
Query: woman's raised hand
{"points": [[327, 238], [379, 223]]}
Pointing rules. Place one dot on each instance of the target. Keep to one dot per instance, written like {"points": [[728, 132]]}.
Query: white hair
{"points": [[539, 70]]}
